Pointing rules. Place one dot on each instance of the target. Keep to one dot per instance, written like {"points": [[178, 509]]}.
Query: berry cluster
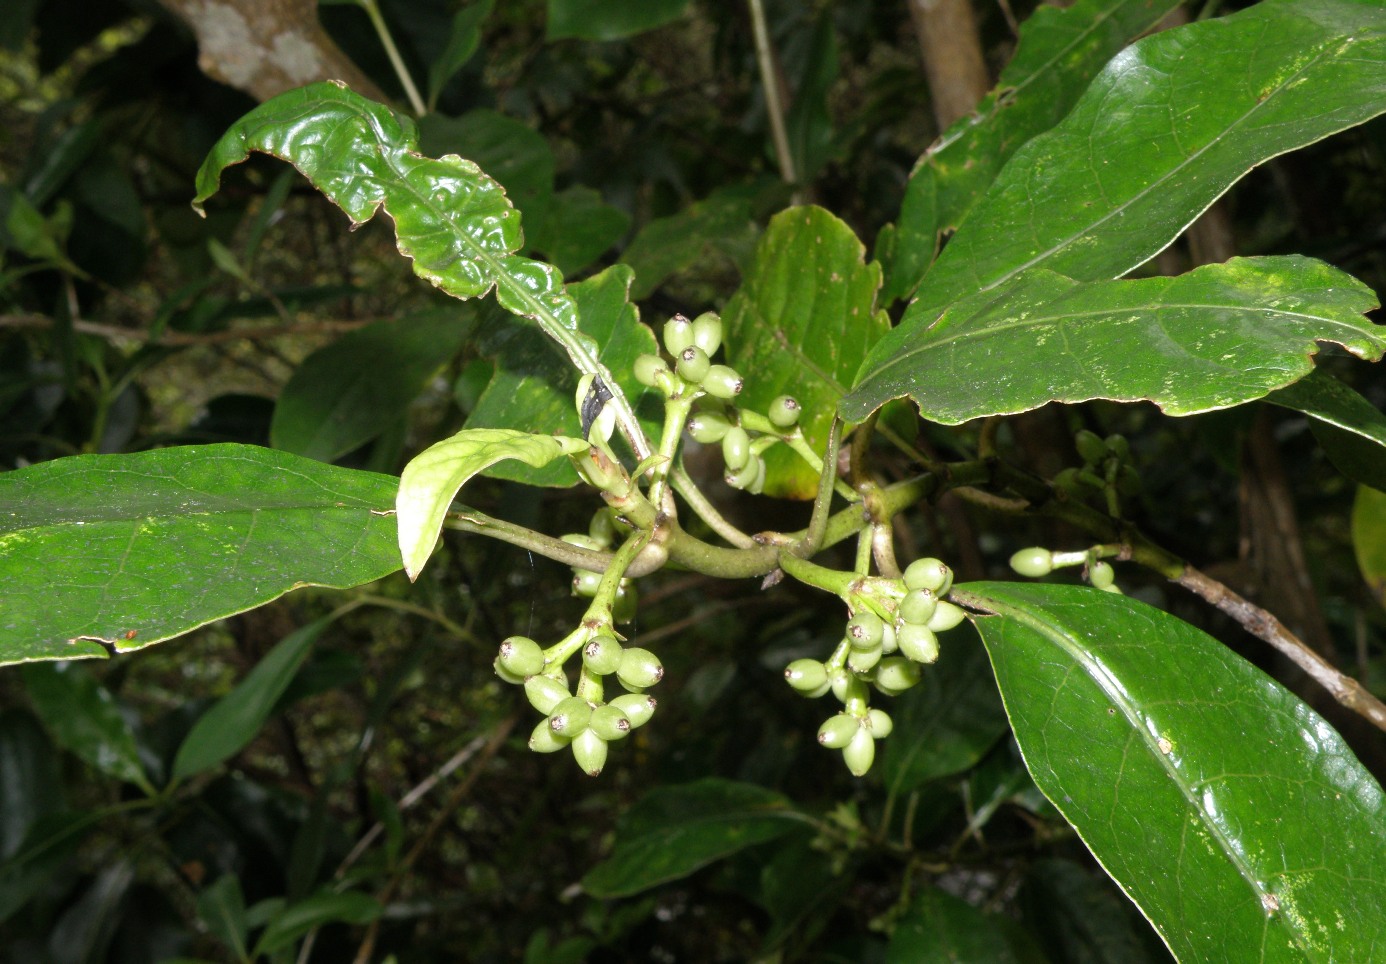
{"points": [[892, 632], [1107, 470], [1037, 562]]}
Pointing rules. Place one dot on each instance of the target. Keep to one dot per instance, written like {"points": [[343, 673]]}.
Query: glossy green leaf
{"points": [[233, 720], [1080, 918], [609, 19], [939, 928], [674, 830], [799, 886], [946, 723], [222, 908], [83, 717], [348, 393], [432, 478], [1351, 429], [1058, 52], [462, 43], [324, 907], [532, 389], [30, 784], [800, 325], [123, 551], [1221, 335], [579, 228], [1163, 131], [1233, 815], [721, 222], [1369, 538]]}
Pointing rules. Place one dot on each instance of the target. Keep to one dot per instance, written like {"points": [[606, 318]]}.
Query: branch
{"points": [[176, 339]]}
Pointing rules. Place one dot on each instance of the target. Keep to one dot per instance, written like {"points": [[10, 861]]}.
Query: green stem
{"points": [[769, 79], [676, 409], [706, 511], [835, 581], [481, 524], [396, 61], [813, 540]]}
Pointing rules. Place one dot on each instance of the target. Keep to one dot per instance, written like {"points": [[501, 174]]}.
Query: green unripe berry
{"points": [[639, 669], [545, 740], [648, 368], [736, 448], [589, 750], [846, 686], [1091, 448], [888, 641], [1075, 483], [918, 606], [929, 573], [637, 707], [879, 723], [505, 674], [708, 428], [946, 617], [609, 723], [837, 731], [1113, 588], [1119, 447], [678, 335], [707, 332], [862, 660], [585, 583], [583, 541], [521, 657], [1100, 574], [602, 654], [917, 642], [860, 753], [624, 605], [722, 382], [692, 364], [1033, 562], [865, 630], [895, 674], [784, 412], [545, 692], [570, 717], [602, 528], [750, 477], [807, 676], [1128, 480]]}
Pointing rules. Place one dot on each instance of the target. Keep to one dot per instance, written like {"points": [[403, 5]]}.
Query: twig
{"points": [[382, 31], [770, 81]]}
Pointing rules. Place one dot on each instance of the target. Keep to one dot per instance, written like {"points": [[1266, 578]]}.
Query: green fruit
{"points": [[589, 750], [707, 332], [736, 448], [678, 335], [917, 642], [602, 528], [609, 723], [865, 630], [846, 686], [693, 365], [570, 717], [602, 654], [838, 731], [930, 574], [946, 617], [624, 605], [750, 478], [722, 382], [784, 412], [862, 660], [1128, 480], [1113, 588], [888, 641], [860, 753], [639, 669], [545, 692], [879, 723], [1119, 447], [1100, 574], [807, 676], [545, 740], [505, 674], [583, 541], [1033, 562], [918, 606], [1091, 448], [637, 707], [895, 674], [708, 428], [585, 583], [521, 657], [648, 368]]}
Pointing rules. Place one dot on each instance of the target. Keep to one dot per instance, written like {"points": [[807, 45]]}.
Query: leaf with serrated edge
{"points": [[1232, 814], [1215, 337], [432, 478]]}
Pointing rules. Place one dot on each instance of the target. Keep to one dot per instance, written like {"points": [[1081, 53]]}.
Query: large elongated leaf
{"points": [[1060, 49], [1163, 131], [122, 551], [85, 718], [800, 325], [432, 478], [1351, 429], [609, 19], [1369, 539], [1218, 336], [1231, 813]]}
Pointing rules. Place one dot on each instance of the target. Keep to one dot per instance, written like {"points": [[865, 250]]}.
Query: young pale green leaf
{"points": [[432, 478], [84, 718], [674, 830], [1232, 814], [324, 907], [939, 928], [1369, 539], [1170, 124], [351, 391], [800, 325], [531, 388], [233, 720], [1058, 52], [1218, 336], [122, 551], [609, 19], [1351, 429]]}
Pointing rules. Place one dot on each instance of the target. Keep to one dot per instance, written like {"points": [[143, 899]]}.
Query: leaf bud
{"points": [[930, 574], [860, 753], [545, 692], [807, 676], [707, 332], [609, 723], [639, 668], [1033, 562], [722, 382], [521, 657], [946, 617], [837, 731], [708, 428], [678, 335], [589, 750], [784, 412], [570, 717], [602, 654], [917, 642], [637, 707], [918, 606]]}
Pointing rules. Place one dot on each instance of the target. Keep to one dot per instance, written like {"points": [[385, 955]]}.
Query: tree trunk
{"points": [[952, 53]]}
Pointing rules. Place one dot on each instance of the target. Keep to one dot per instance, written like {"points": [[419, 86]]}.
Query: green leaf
{"points": [[348, 393], [1351, 429], [30, 783], [1081, 919], [462, 43], [674, 830], [800, 325], [1369, 539], [84, 718], [722, 221], [222, 908], [609, 19], [1233, 815], [1221, 335], [579, 228], [532, 389], [123, 551], [49, 845], [1170, 124], [432, 478], [798, 889], [808, 124], [1060, 50], [233, 720], [322, 908], [939, 928]]}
